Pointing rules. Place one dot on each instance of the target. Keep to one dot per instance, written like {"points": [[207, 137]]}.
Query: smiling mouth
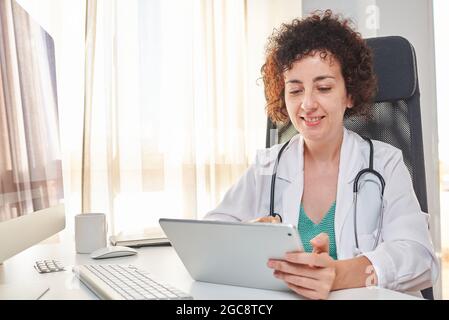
{"points": [[312, 119]]}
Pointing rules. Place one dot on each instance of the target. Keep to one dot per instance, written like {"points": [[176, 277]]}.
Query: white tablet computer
{"points": [[231, 253]]}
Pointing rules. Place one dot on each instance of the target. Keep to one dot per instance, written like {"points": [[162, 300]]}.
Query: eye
{"points": [[296, 91], [324, 89]]}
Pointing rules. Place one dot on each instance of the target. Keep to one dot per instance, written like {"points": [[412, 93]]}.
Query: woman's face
{"points": [[316, 97]]}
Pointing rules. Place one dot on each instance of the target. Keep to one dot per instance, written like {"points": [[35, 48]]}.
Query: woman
{"points": [[319, 70]]}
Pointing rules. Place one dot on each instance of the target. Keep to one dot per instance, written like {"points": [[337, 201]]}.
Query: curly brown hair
{"points": [[322, 32]]}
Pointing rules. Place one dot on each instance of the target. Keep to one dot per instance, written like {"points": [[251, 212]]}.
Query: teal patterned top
{"points": [[309, 230]]}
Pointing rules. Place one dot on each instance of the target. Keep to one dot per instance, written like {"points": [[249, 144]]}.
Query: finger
{"points": [[266, 219], [308, 258], [306, 293], [320, 243], [295, 269], [300, 281]]}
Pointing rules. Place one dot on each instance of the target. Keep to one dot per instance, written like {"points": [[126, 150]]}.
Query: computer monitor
{"points": [[31, 188]]}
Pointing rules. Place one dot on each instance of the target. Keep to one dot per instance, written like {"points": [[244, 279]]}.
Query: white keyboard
{"points": [[120, 282]]}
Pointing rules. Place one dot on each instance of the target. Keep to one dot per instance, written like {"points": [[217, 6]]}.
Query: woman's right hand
{"points": [[267, 219]]}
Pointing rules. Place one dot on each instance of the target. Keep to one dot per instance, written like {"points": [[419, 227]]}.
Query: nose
{"points": [[308, 102]]}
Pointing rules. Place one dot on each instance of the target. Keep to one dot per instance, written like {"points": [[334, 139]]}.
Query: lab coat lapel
{"points": [[351, 162], [293, 171]]}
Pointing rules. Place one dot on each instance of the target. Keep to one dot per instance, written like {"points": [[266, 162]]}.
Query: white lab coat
{"points": [[404, 260]]}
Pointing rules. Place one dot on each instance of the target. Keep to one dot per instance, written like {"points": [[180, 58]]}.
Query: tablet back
{"points": [[229, 252]]}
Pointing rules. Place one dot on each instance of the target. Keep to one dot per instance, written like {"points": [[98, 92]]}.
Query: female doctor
{"points": [[317, 71]]}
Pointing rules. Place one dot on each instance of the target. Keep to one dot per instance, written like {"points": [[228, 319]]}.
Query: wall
{"points": [[362, 12]]}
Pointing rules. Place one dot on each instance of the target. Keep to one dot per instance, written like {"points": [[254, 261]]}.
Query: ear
{"points": [[349, 102]]}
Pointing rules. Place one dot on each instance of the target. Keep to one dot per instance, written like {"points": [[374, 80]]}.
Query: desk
{"points": [[162, 262]]}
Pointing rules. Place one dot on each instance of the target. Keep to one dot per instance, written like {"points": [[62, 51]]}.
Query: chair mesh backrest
{"points": [[392, 123], [395, 115]]}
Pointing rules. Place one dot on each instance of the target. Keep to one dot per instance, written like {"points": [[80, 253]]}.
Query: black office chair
{"points": [[396, 115]]}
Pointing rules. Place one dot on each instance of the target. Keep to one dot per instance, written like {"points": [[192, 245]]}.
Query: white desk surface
{"points": [[19, 276]]}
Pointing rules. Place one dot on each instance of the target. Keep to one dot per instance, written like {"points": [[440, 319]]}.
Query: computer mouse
{"points": [[113, 252]]}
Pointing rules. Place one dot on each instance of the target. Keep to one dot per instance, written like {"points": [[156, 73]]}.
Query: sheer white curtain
{"points": [[174, 110]]}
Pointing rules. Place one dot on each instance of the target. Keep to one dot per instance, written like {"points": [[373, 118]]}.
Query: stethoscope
{"points": [[361, 173]]}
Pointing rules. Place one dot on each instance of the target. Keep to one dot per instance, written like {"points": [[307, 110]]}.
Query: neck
{"points": [[324, 151]]}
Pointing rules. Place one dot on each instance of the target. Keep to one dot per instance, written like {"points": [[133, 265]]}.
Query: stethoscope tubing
{"points": [[273, 181]]}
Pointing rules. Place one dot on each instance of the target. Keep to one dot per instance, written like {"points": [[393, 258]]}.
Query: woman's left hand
{"points": [[311, 275]]}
